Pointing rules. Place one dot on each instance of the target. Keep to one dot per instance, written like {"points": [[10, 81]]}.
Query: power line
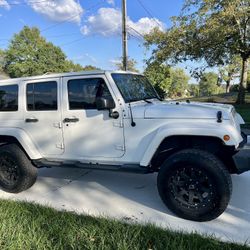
{"points": [[62, 35], [64, 21], [134, 34], [136, 37], [62, 45], [74, 41], [149, 13], [23, 3], [136, 31], [50, 36], [72, 17]]}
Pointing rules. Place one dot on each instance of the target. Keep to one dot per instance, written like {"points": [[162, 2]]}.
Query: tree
{"points": [[248, 82], [169, 82], [194, 89], [131, 65], [230, 71], [70, 66], [159, 76], [209, 84], [30, 54], [179, 83], [211, 30], [3, 75], [2, 56], [89, 68]]}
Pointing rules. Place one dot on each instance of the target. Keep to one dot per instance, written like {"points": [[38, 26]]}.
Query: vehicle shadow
{"points": [[142, 189]]}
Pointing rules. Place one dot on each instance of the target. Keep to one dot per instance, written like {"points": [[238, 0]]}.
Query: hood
{"points": [[182, 110]]}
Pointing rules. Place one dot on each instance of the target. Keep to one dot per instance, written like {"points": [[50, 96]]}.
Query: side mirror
{"points": [[105, 103]]}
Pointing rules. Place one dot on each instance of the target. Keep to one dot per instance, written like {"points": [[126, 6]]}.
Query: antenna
{"points": [[133, 124]]}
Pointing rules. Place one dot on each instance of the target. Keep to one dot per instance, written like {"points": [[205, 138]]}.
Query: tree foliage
{"points": [[90, 68], [30, 54], [2, 56], [179, 83], [159, 76], [230, 71], [169, 82], [209, 84], [209, 30], [131, 65], [194, 90]]}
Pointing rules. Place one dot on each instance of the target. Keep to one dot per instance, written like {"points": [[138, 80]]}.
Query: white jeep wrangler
{"points": [[115, 121]]}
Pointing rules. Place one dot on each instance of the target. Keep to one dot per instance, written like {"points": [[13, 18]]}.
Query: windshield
{"points": [[134, 87]]}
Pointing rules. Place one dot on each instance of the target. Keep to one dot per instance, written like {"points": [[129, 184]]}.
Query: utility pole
{"points": [[124, 36]]}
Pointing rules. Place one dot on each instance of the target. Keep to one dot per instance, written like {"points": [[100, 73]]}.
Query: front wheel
{"points": [[195, 185]]}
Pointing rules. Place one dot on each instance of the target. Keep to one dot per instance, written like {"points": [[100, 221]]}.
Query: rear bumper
{"points": [[242, 157]]}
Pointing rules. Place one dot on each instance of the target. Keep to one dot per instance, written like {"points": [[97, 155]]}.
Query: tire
{"points": [[16, 171], [195, 185]]}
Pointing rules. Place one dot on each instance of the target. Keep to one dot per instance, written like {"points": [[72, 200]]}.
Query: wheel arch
{"points": [[172, 144], [18, 136]]}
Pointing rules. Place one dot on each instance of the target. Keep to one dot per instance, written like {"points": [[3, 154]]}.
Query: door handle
{"points": [[67, 120], [31, 120]]}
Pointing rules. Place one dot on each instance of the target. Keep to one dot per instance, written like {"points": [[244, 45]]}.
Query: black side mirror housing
{"points": [[105, 103]]}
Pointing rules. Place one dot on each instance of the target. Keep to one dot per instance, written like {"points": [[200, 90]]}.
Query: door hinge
{"points": [[60, 145], [118, 124], [120, 147], [57, 125]]}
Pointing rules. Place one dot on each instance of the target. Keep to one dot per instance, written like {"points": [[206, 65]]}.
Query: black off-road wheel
{"points": [[195, 185], [16, 170]]}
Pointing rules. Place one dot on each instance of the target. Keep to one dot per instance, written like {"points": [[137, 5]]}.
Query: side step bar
{"points": [[126, 168]]}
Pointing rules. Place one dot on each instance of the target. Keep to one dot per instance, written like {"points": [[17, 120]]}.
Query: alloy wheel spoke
{"points": [[191, 187], [191, 197], [8, 170], [182, 192]]}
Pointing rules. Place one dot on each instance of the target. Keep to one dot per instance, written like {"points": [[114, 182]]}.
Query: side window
{"points": [[42, 96], [82, 93], [9, 98]]}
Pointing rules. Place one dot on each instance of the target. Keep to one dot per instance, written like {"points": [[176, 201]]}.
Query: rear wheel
{"points": [[195, 185], [16, 171]]}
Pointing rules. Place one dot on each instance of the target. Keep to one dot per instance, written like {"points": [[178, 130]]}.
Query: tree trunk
{"points": [[228, 81], [243, 82], [228, 86]]}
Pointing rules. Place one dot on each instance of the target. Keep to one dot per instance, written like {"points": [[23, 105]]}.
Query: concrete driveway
{"points": [[133, 198]]}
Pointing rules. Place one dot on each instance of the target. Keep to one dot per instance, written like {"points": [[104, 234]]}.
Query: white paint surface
{"points": [[133, 198]]}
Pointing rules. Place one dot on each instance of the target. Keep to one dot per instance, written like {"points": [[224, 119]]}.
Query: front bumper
{"points": [[242, 157]]}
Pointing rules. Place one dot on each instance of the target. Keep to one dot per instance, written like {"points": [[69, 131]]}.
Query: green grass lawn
{"points": [[244, 110], [28, 226]]}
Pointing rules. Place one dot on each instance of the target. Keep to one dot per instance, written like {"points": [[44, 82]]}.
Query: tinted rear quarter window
{"points": [[9, 98], [42, 96]]}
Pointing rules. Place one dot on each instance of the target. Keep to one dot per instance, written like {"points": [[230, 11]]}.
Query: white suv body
{"points": [[96, 137], [57, 121]]}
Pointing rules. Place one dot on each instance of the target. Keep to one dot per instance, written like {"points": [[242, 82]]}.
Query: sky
{"points": [[88, 31]]}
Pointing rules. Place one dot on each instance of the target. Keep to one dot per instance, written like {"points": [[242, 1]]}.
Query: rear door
{"points": [[42, 115]]}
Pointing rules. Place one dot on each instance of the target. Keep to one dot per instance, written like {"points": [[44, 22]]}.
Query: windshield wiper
{"points": [[146, 100]]}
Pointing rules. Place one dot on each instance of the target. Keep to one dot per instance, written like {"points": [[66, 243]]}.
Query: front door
{"points": [[88, 132], [42, 115]]}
